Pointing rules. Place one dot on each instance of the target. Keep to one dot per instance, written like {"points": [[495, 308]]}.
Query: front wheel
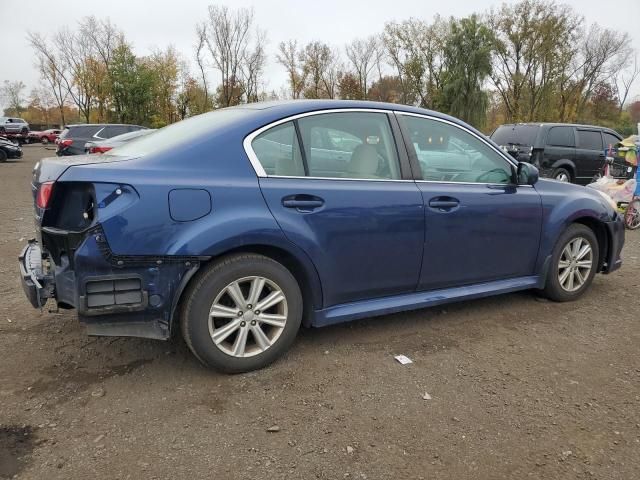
{"points": [[632, 215], [242, 313], [562, 175], [44, 140], [573, 264]]}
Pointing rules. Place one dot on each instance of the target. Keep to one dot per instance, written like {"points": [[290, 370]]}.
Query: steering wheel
{"points": [[486, 176]]}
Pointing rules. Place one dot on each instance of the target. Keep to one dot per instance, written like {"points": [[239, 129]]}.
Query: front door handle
{"points": [[303, 203]]}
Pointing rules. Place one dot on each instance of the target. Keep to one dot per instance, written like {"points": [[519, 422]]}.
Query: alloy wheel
{"points": [[575, 264], [632, 215], [248, 316], [562, 177]]}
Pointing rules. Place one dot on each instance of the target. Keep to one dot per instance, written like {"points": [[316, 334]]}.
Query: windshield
{"points": [[178, 133], [515, 135]]}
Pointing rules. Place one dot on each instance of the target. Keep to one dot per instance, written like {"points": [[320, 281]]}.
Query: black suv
{"points": [[73, 138], [565, 152]]}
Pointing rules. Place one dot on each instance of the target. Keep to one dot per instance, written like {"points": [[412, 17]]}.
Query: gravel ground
{"points": [[517, 387]]}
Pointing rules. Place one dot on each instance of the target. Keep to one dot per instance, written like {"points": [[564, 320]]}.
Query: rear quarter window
{"points": [[561, 137], [516, 134]]}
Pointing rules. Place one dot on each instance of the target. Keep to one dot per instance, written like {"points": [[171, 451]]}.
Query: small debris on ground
{"points": [[403, 359], [426, 396], [273, 429]]}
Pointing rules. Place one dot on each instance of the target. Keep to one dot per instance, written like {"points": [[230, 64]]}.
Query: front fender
{"points": [[564, 204]]}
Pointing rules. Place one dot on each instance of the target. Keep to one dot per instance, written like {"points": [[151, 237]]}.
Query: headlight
{"points": [[609, 200]]}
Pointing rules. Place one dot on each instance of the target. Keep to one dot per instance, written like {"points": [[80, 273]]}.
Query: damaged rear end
{"points": [[70, 259]]}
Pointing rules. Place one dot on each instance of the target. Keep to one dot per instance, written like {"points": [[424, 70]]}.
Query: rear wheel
{"points": [[44, 140], [3, 156], [632, 215], [562, 175], [242, 313], [2, 130], [573, 264]]}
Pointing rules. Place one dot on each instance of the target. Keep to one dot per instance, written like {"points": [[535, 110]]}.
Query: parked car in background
{"points": [[104, 146], [13, 125], [241, 224], [49, 136], [8, 149], [73, 138], [564, 152]]}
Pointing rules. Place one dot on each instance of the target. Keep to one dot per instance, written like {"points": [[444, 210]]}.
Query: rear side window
{"points": [[83, 131], [590, 139], [610, 139], [561, 137], [354, 145], [114, 130], [522, 135], [279, 152]]}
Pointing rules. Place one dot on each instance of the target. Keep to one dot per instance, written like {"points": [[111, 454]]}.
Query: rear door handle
{"points": [[302, 202], [444, 204]]}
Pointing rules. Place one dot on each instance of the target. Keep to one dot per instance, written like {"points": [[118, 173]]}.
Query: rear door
{"points": [[560, 145], [354, 210], [479, 225], [590, 155]]}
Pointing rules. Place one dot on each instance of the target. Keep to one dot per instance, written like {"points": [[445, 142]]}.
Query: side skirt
{"points": [[412, 301]]}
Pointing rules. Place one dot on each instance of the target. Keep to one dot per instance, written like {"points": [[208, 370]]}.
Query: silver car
{"points": [[13, 125]]}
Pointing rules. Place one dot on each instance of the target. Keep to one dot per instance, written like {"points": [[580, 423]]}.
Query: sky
{"points": [[149, 25]]}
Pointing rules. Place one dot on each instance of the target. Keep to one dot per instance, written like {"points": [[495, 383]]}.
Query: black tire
{"points": [[44, 140], [24, 131], [561, 173], [2, 130], [3, 156], [553, 289], [209, 284]]}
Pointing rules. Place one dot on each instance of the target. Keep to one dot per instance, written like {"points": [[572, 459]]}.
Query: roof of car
{"points": [[103, 125], [555, 124]]}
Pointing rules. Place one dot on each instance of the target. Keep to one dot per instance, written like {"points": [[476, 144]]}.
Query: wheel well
{"points": [[279, 255], [601, 234]]}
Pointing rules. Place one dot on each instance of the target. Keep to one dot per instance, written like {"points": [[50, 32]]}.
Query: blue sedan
{"points": [[240, 225]]}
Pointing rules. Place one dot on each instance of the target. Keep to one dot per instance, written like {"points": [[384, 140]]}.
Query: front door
{"points": [[346, 201], [479, 225], [590, 155]]}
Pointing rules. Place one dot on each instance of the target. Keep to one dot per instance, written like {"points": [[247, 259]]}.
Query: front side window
{"points": [[561, 137], [350, 145], [610, 140], [589, 139], [447, 153]]}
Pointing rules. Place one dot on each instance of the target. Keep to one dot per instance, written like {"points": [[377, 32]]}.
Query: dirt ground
{"points": [[519, 388]]}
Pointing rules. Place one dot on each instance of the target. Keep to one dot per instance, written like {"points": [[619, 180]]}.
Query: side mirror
{"points": [[527, 174]]}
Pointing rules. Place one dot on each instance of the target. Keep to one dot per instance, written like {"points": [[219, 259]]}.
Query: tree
{"points": [[290, 57], [467, 59], [12, 96], [201, 36], [386, 89], [534, 41], [236, 54], [361, 54], [624, 81], [415, 49], [321, 67]]}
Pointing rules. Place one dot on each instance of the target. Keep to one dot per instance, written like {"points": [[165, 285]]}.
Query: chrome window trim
{"points": [[259, 169], [260, 172]]}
